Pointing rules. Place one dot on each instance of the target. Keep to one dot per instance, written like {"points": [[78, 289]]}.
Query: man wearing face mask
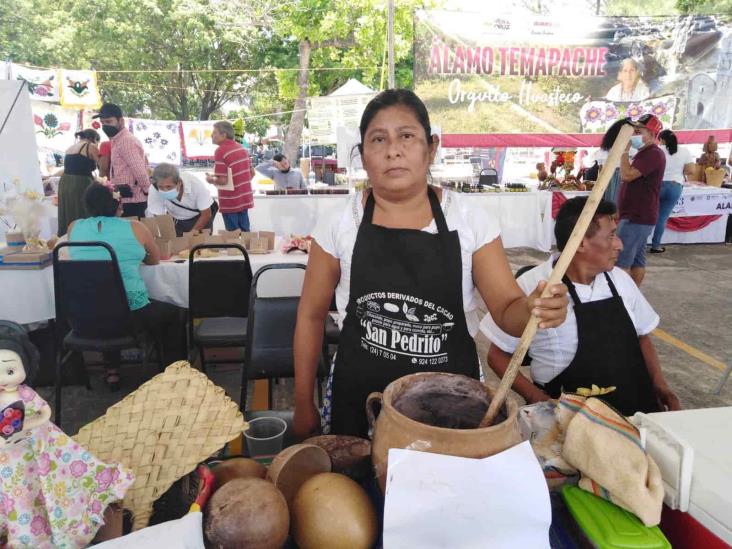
{"points": [[128, 171], [182, 196], [279, 170], [639, 195]]}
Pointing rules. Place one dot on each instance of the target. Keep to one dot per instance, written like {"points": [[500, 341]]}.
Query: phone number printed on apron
{"points": [[400, 324]]}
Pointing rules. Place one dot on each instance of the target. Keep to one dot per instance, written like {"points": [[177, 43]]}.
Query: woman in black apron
{"points": [[405, 312]]}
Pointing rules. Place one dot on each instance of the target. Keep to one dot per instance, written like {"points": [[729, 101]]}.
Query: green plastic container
{"points": [[607, 526]]}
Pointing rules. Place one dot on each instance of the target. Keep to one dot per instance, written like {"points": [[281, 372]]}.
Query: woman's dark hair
{"points": [[391, 98], [569, 214], [608, 140], [669, 137], [99, 201], [15, 338], [88, 134]]}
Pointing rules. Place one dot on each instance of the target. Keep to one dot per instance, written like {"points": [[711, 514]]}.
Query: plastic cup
{"points": [[264, 438]]}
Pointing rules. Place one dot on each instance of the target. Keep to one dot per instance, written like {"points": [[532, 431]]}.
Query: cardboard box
{"points": [[30, 261], [166, 226]]}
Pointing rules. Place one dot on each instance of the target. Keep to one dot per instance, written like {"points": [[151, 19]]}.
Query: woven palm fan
{"points": [[162, 431]]}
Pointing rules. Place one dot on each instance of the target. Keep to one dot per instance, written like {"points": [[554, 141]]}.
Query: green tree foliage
{"points": [[716, 7], [174, 40]]}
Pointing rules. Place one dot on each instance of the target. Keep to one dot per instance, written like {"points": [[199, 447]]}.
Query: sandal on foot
{"points": [[658, 250]]}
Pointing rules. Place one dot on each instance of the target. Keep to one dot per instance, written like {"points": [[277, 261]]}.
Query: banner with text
{"points": [[486, 74]]}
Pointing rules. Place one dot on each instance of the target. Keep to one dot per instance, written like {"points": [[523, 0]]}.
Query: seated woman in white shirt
{"points": [[182, 196], [605, 339]]}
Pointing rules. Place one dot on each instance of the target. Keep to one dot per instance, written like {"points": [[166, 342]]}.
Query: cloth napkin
{"points": [[606, 448]]}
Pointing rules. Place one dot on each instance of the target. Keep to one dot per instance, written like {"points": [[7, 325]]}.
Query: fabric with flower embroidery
{"points": [[53, 492], [43, 84], [55, 126], [197, 144], [79, 89], [160, 138], [598, 116]]}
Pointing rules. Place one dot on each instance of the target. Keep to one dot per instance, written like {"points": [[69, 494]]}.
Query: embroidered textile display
{"points": [[43, 84], [159, 138], [55, 126], [79, 89], [598, 116], [197, 139]]}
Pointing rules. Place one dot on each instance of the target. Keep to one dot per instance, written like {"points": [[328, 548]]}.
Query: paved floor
{"points": [[689, 286]]}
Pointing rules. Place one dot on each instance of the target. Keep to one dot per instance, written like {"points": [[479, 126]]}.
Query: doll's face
{"points": [[12, 372]]}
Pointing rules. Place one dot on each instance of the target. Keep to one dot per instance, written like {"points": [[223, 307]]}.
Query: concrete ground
{"points": [[690, 287]]}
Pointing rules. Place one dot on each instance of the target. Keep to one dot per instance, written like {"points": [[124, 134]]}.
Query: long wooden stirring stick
{"points": [[575, 239]]}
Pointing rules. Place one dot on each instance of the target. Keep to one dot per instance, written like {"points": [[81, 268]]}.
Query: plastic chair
{"points": [[90, 297], [218, 300], [270, 339]]}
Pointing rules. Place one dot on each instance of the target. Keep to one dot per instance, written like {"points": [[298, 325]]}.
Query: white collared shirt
{"points": [[195, 195], [553, 350]]}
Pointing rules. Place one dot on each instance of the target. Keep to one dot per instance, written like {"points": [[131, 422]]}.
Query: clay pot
{"points": [[393, 429]]}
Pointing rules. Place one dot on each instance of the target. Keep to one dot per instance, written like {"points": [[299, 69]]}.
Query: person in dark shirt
{"points": [[639, 195]]}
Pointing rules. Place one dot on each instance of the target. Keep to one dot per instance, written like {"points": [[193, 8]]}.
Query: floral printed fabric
{"points": [[598, 116], [43, 84], [55, 126], [53, 492], [159, 138]]}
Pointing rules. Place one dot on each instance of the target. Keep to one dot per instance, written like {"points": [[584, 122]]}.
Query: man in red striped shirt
{"points": [[234, 205]]}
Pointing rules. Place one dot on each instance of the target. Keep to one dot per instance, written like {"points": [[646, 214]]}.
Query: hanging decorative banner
{"points": [[197, 144], [55, 126], [43, 84], [532, 75], [79, 89], [598, 116], [87, 122], [159, 138]]}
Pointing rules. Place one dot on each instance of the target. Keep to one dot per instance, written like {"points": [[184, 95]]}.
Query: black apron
{"points": [[405, 314], [608, 354], [186, 225]]}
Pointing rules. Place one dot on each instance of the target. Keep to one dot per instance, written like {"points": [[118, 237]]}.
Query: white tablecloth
{"points": [[28, 296]]}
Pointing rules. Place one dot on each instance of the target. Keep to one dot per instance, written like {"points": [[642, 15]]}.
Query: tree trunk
{"points": [[294, 132]]}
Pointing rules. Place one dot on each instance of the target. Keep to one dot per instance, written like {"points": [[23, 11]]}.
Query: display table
{"points": [[28, 296], [526, 218], [704, 211]]}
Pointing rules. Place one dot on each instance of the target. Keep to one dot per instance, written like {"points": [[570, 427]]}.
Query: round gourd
{"points": [[237, 468], [330, 511], [248, 512]]}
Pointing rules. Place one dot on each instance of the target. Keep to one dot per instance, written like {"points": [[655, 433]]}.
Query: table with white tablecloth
{"points": [[28, 296], [696, 200]]}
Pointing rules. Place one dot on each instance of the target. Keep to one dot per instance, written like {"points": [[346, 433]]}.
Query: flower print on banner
{"points": [[79, 89], [159, 138], [55, 126], [43, 84], [663, 107], [197, 144]]}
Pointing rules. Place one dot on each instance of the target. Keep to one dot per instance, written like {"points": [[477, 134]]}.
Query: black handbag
{"points": [[488, 176]]}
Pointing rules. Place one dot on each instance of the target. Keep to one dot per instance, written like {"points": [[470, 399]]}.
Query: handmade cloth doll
{"points": [[53, 492]]}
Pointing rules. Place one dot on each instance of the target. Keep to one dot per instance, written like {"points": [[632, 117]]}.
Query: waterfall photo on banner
{"points": [[479, 73]]}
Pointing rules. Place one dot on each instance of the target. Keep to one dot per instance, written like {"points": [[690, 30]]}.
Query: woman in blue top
{"points": [[133, 245]]}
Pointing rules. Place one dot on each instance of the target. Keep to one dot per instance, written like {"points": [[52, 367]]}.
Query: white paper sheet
{"points": [[433, 500]]}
